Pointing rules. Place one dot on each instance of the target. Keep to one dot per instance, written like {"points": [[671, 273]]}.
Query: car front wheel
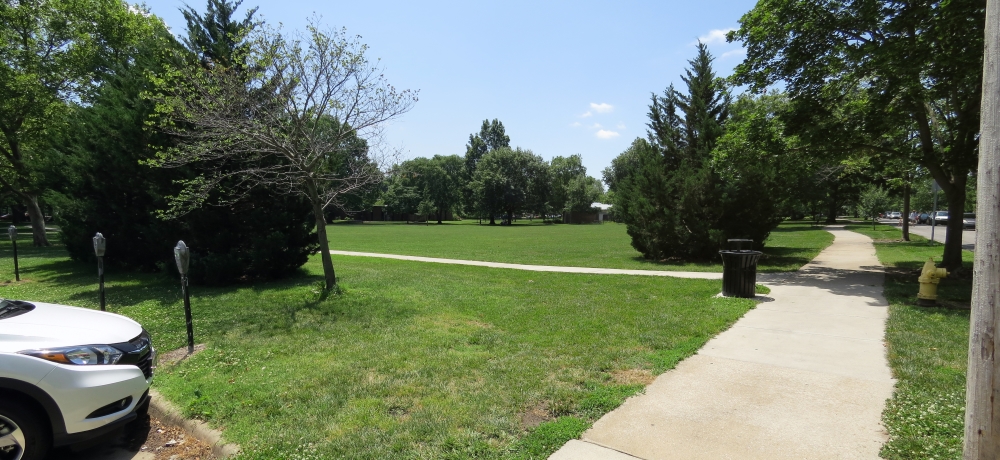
{"points": [[22, 435]]}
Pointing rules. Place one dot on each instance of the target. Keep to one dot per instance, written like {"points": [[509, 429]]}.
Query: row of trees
{"points": [[235, 138], [891, 88], [882, 92], [492, 180]]}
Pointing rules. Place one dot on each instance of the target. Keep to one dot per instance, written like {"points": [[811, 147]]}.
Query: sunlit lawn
{"points": [[928, 351], [607, 245], [411, 360]]}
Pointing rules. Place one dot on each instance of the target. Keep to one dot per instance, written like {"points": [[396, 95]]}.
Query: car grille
{"points": [[138, 352], [146, 365]]}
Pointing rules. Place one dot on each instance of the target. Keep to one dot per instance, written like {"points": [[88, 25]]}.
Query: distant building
{"points": [[603, 211], [597, 214]]}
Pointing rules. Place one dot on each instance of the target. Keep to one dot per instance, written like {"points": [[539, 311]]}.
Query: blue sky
{"points": [[563, 77]]}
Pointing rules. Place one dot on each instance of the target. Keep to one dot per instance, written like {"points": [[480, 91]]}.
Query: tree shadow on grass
{"points": [[778, 257], [678, 263]]}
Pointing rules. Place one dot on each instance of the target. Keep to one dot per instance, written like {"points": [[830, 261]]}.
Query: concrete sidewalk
{"points": [[537, 268], [803, 376]]}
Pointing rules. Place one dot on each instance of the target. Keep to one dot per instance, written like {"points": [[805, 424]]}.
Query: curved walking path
{"points": [[801, 377], [537, 268]]}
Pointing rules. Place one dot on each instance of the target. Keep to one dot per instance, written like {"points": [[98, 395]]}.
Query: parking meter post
{"points": [[100, 244], [187, 313], [12, 231], [100, 282], [182, 255]]}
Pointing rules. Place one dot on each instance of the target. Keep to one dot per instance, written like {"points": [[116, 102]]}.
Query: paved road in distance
{"points": [[968, 236]]}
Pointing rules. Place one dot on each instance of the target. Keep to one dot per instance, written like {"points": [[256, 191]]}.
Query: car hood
{"points": [[50, 325]]}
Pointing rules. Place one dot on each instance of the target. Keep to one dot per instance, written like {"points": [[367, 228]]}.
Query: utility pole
{"points": [[982, 409]]}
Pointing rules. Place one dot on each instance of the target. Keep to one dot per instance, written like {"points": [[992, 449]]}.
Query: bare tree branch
{"points": [[304, 115]]}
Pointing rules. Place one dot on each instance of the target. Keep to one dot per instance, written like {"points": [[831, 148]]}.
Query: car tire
{"points": [[33, 440]]}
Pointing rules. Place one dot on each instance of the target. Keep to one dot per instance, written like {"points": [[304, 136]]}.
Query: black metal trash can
{"points": [[739, 269]]}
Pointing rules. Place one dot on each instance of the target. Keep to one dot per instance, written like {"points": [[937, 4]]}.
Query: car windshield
{"points": [[970, 215], [12, 308], [943, 213]]}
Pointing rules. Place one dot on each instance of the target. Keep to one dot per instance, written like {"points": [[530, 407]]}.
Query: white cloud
{"points": [[575, 124], [605, 134], [595, 126], [621, 126], [737, 53], [714, 36], [586, 114], [602, 107]]}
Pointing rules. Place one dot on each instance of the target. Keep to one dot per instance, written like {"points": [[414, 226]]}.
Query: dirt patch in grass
{"points": [[535, 416], [173, 357], [633, 377]]}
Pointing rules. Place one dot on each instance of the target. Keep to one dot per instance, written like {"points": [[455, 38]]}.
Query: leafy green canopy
{"points": [[877, 76], [677, 196], [437, 181], [873, 200], [572, 189], [52, 53], [101, 186], [491, 136], [510, 181]]}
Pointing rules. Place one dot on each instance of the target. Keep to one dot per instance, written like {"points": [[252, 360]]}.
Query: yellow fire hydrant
{"points": [[930, 276]]}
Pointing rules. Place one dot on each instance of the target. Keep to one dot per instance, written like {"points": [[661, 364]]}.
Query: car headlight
{"points": [[82, 355]]}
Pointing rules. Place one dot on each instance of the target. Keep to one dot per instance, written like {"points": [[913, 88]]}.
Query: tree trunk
{"points": [[324, 246], [952, 258], [906, 209], [982, 407], [831, 217], [439, 215], [492, 220], [37, 220]]}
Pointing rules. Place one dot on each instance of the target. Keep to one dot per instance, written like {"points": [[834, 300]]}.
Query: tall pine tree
{"points": [[665, 189]]}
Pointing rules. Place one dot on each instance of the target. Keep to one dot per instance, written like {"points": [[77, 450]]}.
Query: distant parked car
{"points": [[969, 220], [894, 215], [940, 217]]}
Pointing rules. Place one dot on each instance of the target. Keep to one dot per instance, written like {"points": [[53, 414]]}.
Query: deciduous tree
{"points": [[52, 52], [508, 181], [885, 66], [286, 122]]}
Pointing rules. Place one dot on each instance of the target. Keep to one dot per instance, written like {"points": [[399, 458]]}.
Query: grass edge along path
{"points": [[791, 245], [409, 360], [927, 350]]}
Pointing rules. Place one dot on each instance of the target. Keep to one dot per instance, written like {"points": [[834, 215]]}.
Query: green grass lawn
{"points": [[928, 351], [410, 360], [607, 245]]}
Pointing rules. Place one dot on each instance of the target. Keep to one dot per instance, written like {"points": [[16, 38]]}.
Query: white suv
{"points": [[67, 375]]}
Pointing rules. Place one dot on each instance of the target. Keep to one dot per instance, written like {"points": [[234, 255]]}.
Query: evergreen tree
{"points": [[705, 106], [103, 187], [667, 189], [215, 36]]}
